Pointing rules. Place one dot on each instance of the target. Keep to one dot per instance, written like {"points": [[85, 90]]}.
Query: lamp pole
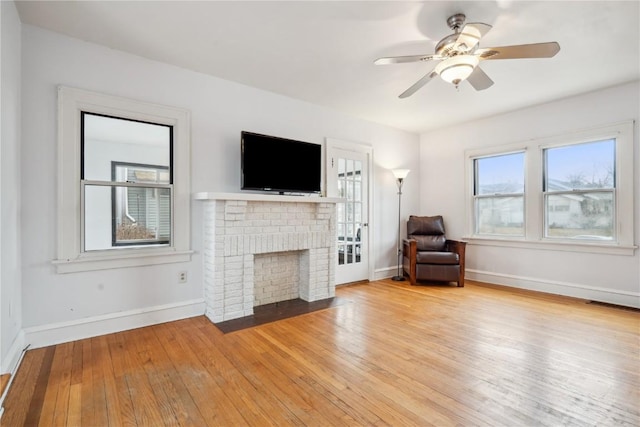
{"points": [[400, 175]]}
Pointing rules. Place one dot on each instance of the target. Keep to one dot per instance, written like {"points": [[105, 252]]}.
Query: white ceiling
{"points": [[323, 51]]}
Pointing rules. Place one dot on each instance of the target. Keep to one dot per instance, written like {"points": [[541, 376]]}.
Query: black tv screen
{"points": [[277, 164]]}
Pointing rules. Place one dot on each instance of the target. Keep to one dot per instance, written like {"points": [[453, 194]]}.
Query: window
{"points": [[123, 182], [499, 195], [141, 214], [572, 192], [579, 191], [125, 203]]}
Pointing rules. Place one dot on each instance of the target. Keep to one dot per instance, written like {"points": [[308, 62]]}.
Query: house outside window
{"points": [[579, 191], [141, 215], [123, 190]]}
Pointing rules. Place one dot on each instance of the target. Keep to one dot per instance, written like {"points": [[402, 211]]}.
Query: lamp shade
{"points": [[400, 173], [457, 68]]}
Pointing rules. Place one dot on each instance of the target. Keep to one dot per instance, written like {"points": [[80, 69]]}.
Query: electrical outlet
{"points": [[182, 277]]}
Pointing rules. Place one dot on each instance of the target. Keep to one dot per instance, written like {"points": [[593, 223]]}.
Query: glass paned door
{"points": [[347, 179], [349, 216]]}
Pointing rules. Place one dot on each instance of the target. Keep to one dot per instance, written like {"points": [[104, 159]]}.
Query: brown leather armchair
{"points": [[428, 255]]}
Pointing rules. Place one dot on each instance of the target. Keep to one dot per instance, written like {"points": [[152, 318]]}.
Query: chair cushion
{"points": [[434, 257], [428, 231], [429, 243], [430, 225]]}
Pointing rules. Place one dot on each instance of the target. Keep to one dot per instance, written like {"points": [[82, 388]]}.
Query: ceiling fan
{"points": [[460, 55]]}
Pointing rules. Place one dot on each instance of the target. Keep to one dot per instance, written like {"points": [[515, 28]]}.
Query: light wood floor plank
{"points": [[4, 380], [258, 402], [120, 369], [28, 382], [56, 400], [87, 411], [388, 355], [105, 400], [210, 400]]}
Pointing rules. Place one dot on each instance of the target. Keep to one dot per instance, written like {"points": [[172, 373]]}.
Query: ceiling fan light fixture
{"points": [[457, 68]]}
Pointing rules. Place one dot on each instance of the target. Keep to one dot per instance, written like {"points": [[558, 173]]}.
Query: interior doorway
{"points": [[348, 177]]}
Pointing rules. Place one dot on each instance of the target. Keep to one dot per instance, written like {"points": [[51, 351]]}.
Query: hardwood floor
{"points": [[4, 380], [390, 354]]}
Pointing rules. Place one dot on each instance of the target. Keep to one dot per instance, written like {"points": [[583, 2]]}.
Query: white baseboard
{"points": [[9, 362], [592, 293], [42, 336], [385, 273]]}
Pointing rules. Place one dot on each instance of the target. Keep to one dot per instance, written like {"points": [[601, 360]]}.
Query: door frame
{"points": [[367, 150]]}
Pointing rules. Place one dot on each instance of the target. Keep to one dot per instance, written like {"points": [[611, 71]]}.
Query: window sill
{"points": [[599, 248], [91, 262]]}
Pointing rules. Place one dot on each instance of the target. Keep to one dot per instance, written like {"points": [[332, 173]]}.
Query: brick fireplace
{"points": [[259, 249]]}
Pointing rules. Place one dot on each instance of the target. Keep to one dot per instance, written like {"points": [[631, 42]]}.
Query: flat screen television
{"points": [[281, 165]]}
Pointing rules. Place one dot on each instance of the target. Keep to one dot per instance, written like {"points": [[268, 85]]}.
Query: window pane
{"points": [[138, 173], [500, 174], [341, 253], [340, 213], [97, 218], [341, 188], [122, 216], [358, 171], [580, 166], [358, 212], [580, 215], [108, 139], [500, 216]]}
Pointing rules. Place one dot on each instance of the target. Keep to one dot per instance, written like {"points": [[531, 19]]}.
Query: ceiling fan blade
{"points": [[417, 85], [479, 79], [471, 34], [405, 59], [535, 50]]}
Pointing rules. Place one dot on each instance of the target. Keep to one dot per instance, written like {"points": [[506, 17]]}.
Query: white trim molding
{"points": [[609, 249], [623, 242], [575, 290], [333, 147], [13, 355], [71, 256], [46, 335]]}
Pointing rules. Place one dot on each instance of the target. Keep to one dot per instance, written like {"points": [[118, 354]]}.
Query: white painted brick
{"points": [[237, 234], [234, 313]]}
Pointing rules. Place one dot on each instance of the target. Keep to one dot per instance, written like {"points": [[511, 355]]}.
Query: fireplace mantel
{"points": [[263, 248], [261, 197]]}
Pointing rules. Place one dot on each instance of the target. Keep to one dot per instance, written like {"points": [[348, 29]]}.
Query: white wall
{"points": [[610, 278], [220, 110], [10, 273]]}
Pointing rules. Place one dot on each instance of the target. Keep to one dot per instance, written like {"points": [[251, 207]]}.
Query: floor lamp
{"points": [[400, 175]]}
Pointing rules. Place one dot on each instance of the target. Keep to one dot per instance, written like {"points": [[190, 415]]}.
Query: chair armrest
{"points": [[460, 248], [457, 246], [409, 248], [409, 252]]}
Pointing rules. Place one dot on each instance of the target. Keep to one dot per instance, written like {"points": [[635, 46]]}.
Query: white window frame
{"points": [[547, 193], [534, 198], [477, 197], [125, 199], [70, 256]]}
